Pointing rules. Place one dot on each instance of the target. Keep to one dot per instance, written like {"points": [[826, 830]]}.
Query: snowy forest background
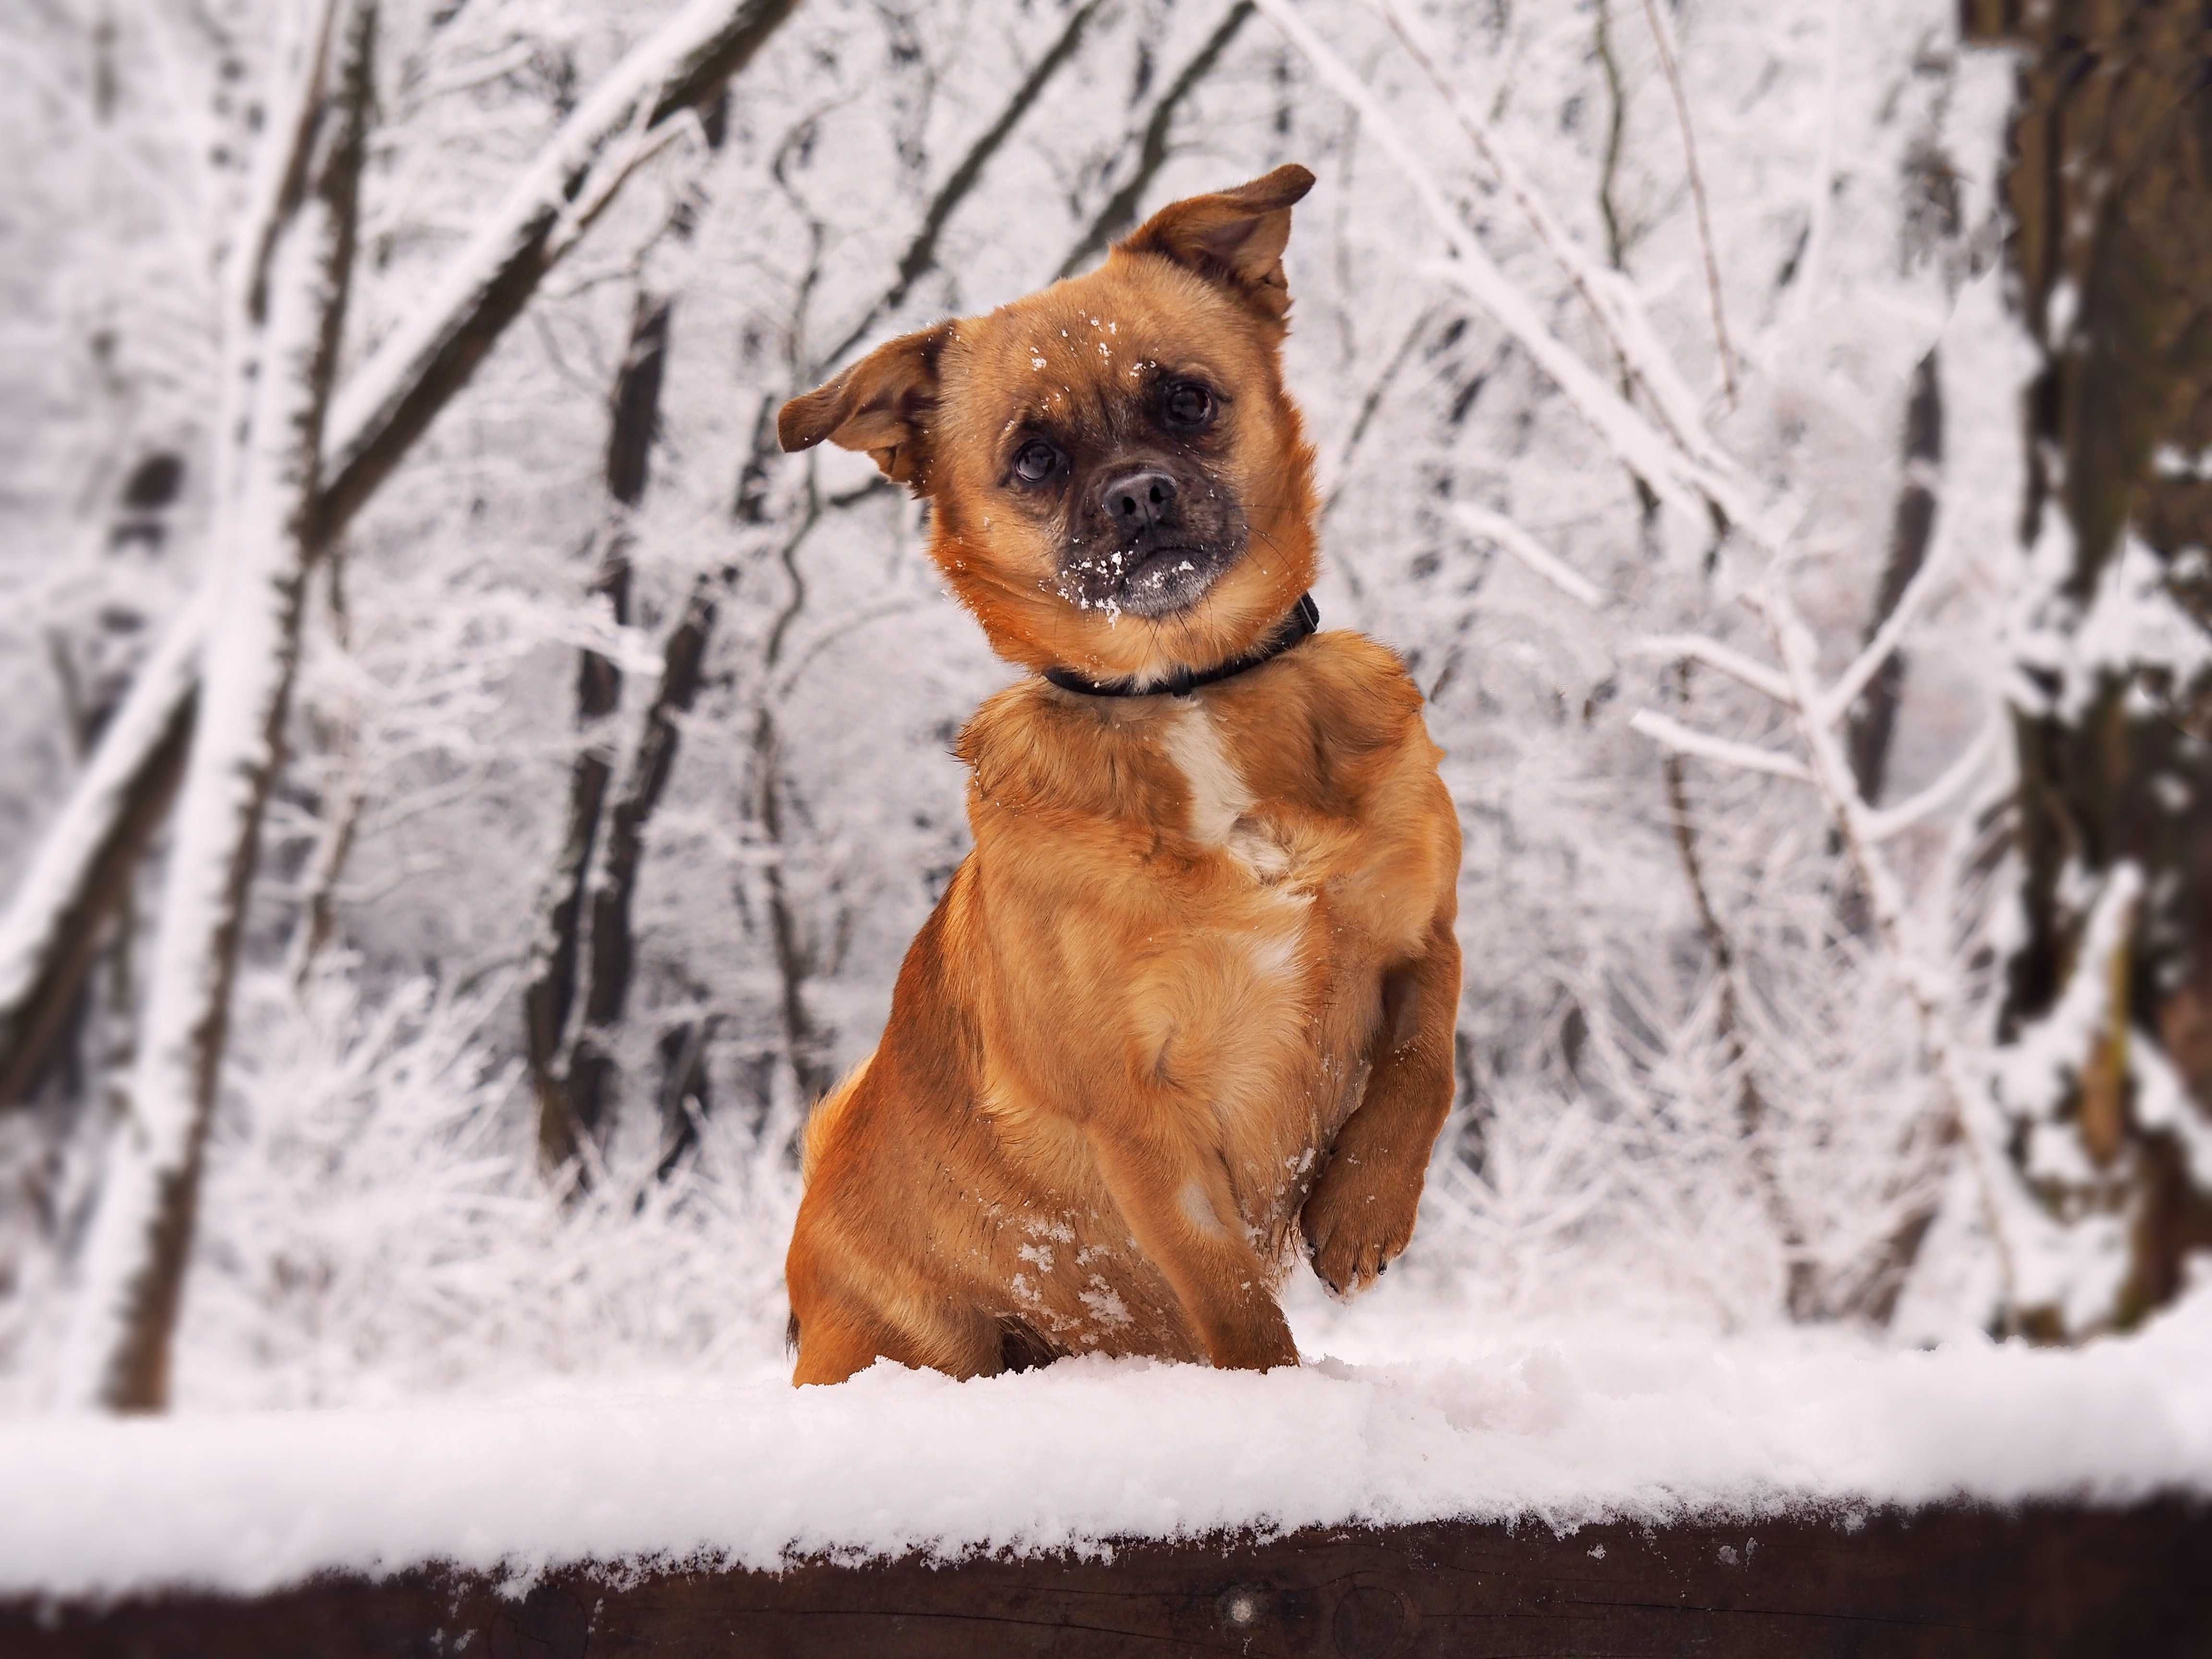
{"points": [[1775, 452]]}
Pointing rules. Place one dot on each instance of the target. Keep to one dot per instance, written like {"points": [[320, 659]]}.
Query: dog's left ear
{"points": [[882, 404], [1235, 237]]}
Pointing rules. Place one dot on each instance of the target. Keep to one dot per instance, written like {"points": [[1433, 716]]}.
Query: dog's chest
{"points": [[1220, 801]]}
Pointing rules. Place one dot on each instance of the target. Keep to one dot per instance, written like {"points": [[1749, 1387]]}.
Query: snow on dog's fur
{"points": [[1190, 999]]}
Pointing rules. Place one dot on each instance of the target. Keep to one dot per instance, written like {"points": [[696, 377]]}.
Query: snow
{"points": [[1555, 1427]]}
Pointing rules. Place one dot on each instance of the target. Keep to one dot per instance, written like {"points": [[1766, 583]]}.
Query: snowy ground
{"points": [[1554, 1427]]}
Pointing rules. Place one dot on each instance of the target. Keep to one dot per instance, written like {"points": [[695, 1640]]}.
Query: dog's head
{"points": [[1116, 474]]}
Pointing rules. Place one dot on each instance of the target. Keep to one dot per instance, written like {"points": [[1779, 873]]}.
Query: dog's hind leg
{"points": [[1183, 1215], [835, 1341], [831, 1349]]}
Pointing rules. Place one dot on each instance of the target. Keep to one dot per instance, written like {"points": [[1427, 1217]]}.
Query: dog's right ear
{"points": [[882, 404]]}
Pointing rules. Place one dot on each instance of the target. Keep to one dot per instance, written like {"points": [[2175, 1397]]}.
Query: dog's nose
{"points": [[1137, 501]]}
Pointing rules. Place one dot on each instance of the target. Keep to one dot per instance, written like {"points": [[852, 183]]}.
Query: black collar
{"points": [[1304, 617]]}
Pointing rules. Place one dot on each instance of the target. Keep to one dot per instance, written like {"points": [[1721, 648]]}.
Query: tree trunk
{"points": [[289, 307], [593, 1071], [548, 997], [1874, 716], [2110, 190]]}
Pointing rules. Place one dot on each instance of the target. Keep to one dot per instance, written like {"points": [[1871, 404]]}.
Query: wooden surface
{"points": [[2134, 1582]]}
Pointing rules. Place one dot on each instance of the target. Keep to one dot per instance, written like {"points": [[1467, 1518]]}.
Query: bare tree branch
{"points": [[1686, 481], [1801, 1286]]}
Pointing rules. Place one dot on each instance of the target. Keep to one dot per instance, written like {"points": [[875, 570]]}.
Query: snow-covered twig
{"points": [[1496, 527], [1662, 32], [1696, 648], [1883, 824], [1685, 740], [1862, 830], [1836, 702], [643, 141]]}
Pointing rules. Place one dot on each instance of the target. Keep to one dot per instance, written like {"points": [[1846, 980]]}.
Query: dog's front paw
{"points": [[1357, 1219]]}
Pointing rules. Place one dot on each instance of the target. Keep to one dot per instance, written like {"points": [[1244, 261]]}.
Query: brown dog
{"points": [[1197, 981]]}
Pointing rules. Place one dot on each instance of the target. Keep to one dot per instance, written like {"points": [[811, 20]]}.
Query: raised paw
{"points": [[1357, 1219]]}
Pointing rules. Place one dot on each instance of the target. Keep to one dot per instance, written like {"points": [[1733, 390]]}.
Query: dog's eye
{"points": [[1189, 405], [1036, 461]]}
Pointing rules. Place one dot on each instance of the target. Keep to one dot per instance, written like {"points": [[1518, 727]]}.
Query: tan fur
{"points": [[1189, 1004]]}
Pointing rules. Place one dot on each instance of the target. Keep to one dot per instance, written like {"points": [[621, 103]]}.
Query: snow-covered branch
{"points": [[1612, 300], [1881, 825], [2006, 1212], [1677, 477], [1837, 700], [1697, 647], [84, 862], [416, 369], [1685, 740], [1496, 527]]}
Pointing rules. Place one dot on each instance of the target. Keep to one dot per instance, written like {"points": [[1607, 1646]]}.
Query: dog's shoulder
{"points": [[1357, 691]]}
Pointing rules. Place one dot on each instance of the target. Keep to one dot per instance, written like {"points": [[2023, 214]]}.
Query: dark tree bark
{"points": [[40, 1025], [1874, 717], [593, 1072], [549, 994], [33, 1027], [2110, 191]]}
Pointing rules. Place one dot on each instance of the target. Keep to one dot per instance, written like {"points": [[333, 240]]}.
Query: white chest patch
{"points": [[1218, 795]]}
